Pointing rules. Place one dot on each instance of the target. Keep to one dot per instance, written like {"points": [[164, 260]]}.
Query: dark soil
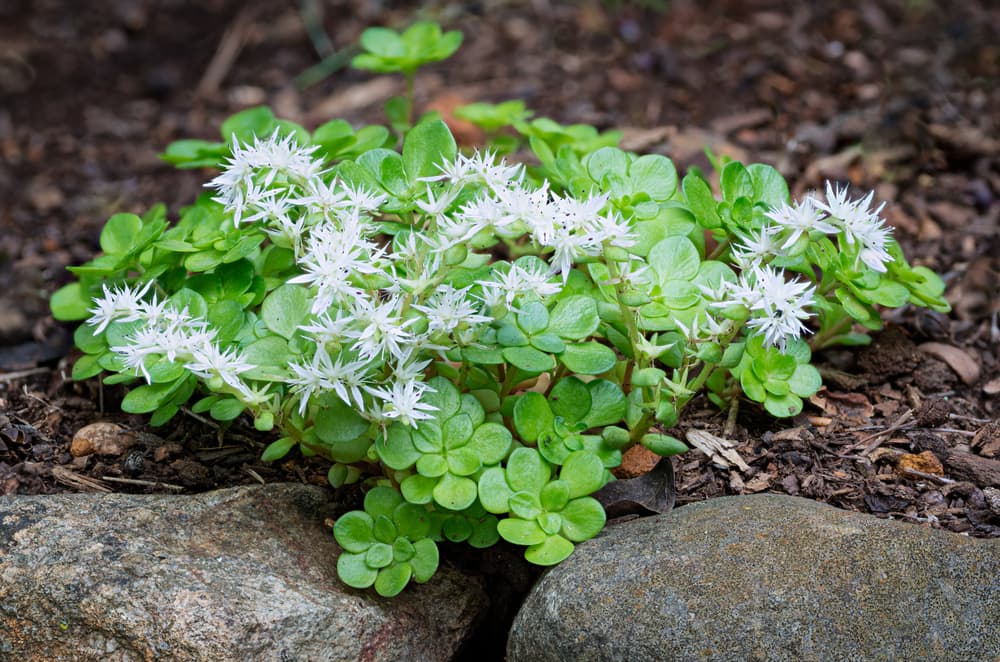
{"points": [[899, 96]]}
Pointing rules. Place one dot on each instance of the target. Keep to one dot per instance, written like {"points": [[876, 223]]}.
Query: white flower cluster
{"points": [[379, 312], [777, 305], [568, 228], [852, 220], [165, 332]]}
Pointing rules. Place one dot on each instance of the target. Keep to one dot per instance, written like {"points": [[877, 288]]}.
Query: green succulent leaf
{"points": [[285, 308], [583, 472], [382, 501], [582, 519], [551, 551], [521, 532], [354, 531], [528, 359], [527, 471], [589, 358], [395, 447], [532, 416], [455, 492], [494, 492], [418, 489], [354, 571], [574, 318], [805, 381], [491, 442], [392, 580], [608, 403], [570, 399]]}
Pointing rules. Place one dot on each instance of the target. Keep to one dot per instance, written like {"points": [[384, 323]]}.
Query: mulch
{"points": [[899, 96]]}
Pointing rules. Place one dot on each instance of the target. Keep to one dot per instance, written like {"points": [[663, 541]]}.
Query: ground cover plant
{"points": [[477, 339]]}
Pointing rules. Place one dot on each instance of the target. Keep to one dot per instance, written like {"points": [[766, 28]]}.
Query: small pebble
{"points": [[102, 438]]}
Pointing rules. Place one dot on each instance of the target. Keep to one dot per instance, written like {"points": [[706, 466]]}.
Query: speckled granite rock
{"points": [[766, 577], [242, 574]]}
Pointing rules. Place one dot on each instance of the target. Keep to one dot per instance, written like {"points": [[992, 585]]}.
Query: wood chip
{"points": [[721, 451], [79, 482], [964, 365], [992, 387]]}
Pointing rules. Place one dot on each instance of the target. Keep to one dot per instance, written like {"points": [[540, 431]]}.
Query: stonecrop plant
{"points": [[476, 340]]}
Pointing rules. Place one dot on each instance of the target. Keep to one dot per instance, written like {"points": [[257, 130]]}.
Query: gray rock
{"points": [[766, 577], [247, 573]]}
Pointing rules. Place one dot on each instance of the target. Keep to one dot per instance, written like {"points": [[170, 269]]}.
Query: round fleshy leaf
{"points": [[395, 447], [456, 529], [382, 501], [353, 571], [528, 359], [511, 336], [418, 489], [570, 398], [384, 529], [455, 492], [456, 431], [674, 258], [472, 408], [784, 406], [583, 473], [532, 416], [805, 381], [337, 421], [525, 505], [553, 448], [484, 533], [533, 318], [552, 550], [378, 555], [608, 404], [550, 523], [574, 318], [494, 493], [527, 471], [412, 521], [402, 550], [392, 580], [752, 386], [555, 496], [425, 560], [491, 442], [444, 396], [353, 531], [549, 343], [463, 462], [583, 519], [428, 438], [521, 532], [432, 465], [588, 358]]}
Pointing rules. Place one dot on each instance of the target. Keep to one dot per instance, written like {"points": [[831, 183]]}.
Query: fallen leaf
{"points": [[652, 493], [719, 450], [759, 483], [961, 363]]}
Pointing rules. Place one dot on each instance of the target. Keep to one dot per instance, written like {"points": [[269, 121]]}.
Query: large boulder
{"points": [[766, 577], [240, 574]]}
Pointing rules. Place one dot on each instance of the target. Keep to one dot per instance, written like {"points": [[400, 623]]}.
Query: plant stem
{"points": [[628, 315], [410, 78]]}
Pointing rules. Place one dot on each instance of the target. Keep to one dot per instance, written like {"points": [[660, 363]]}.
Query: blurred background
{"points": [[896, 95]]}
